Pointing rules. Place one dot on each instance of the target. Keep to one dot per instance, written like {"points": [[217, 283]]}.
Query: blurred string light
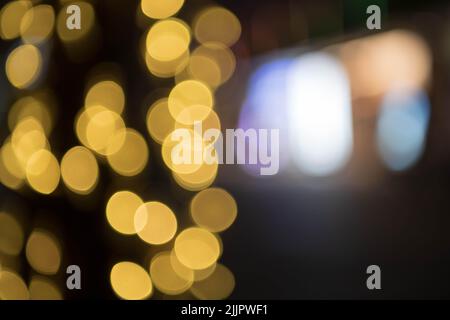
{"points": [[27, 158], [402, 127]]}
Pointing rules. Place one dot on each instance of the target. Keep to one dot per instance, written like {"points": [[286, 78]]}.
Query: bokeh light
{"points": [[213, 209], [12, 286], [43, 252], [42, 288], [155, 223], [43, 172], [121, 209], [160, 122], [130, 281], [197, 248], [37, 24], [23, 66], [157, 9], [79, 170], [219, 285], [11, 234], [10, 17]]}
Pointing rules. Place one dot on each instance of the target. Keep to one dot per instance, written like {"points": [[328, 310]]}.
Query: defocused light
{"points": [[199, 179], [30, 106], [42, 288], [159, 121], [213, 209], [87, 22], [37, 24], [394, 59], [132, 152], [11, 235], [12, 286], [265, 107], [130, 281], [219, 285], [155, 223], [190, 93], [168, 40], [171, 145], [7, 178], [101, 130], [402, 128], [166, 69], [10, 17], [79, 170], [320, 117], [165, 278], [157, 9], [11, 162], [217, 24], [43, 252], [42, 172], [197, 248], [108, 94], [23, 66], [203, 274], [121, 209]]}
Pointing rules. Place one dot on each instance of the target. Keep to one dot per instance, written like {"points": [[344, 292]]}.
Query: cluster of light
{"points": [[26, 156]]}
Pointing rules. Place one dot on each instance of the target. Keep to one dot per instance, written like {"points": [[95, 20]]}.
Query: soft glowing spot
{"points": [[157, 9], [43, 252], [160, 123], [12, 287], [164, 276], [7, 178], [42, 172], [10, 17], [168, 40], [11, 234], [87, 22], [219, 285], [130, 281], [217, 24], [166, 69], [23, 66], [199, 179], [155, 223], [108, 94], [42, 288], [11, 162], [212, 63], [33, 107], [402, 128], [197, 248], [101, 130], [319, 109], [79, 170], [132, 152], [213, 209], [37, 24], [121, 209], [184, 147], [187, 94]]}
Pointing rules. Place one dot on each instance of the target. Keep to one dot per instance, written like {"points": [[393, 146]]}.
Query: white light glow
{"points": [[319, 112]]}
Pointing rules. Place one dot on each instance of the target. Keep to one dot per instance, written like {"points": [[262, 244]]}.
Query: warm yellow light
{"points": [[164, 276], [10, 17], [42, 288], [23, 66], [171, 146], [30, 106], [155, 223], [37, 24], [79, 170], [27, 143], [86, 24], [199, 179], [213, 209], [190, 93], [168, 40], [157, 9], [130, 281], [132, 152], [108, 94], [7, 178], [42, 172], [219, 285], [11, 162], [11, 234], [43, 252], [188, 274], [197, 248], [121, 209], [166, 69], [159, 120], [12, 286], [101, 129], [217, 24]]}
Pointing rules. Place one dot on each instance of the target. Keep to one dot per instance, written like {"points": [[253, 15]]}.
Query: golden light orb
{"points": [[43, 252], [23, 66], [79, 170], [155, 223], [121, 209], [130, 281]]}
